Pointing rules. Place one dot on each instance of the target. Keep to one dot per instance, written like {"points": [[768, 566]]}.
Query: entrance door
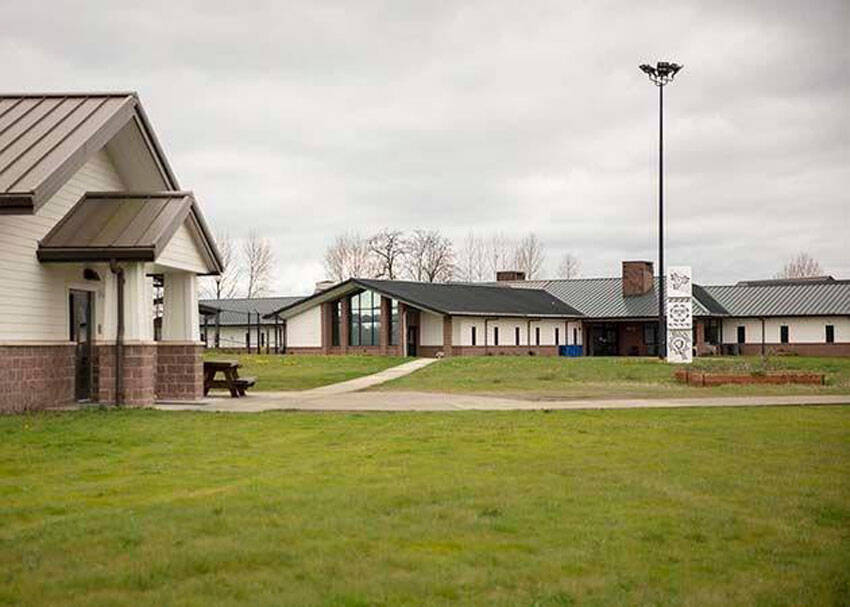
{"points": [[412, 332], [80, 308], [604, 339]]}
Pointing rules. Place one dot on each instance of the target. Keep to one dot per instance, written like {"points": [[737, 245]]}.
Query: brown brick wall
{"points": [[179, 372], [837, 349], [503, 350], [36, 377], [139, 374]]}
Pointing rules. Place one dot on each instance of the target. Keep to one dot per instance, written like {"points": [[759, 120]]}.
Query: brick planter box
{"points": [[701, 378]]}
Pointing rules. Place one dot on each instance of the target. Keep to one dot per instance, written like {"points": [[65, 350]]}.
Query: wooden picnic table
{"points": [[230, 369]]}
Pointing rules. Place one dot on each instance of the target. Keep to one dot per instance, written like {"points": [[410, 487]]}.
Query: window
{"points": [[830, 334], [473, 336], [516, 336], [742, 335], [557, 336], [495, 336], [394, 323], [537, 336], [365, 319], [650, 334], [336, 315], [783, 334], [575, 336]]}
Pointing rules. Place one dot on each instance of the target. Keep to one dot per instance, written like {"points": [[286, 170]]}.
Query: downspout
{"points": [[119, 334]]}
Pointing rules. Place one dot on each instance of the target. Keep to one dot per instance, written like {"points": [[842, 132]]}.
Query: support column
{"points": [[327, 327], [448, 348], [345, 324], [179, 365], [402, 329]]}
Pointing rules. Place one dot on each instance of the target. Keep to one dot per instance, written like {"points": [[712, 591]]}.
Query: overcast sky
{"points": [[305, 119]]}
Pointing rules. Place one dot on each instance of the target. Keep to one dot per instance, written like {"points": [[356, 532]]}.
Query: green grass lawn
{"points": [[301, 372], [555, 377], [637, 507]]}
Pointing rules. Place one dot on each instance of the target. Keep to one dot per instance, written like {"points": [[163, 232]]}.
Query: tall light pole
{"points": [[662, 74]]}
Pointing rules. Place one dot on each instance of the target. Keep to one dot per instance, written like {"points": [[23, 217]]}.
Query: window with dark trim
{"points": [[830, 334], [516, 336], [742, 335], [365, 319], [394, 323], [575, 336], [495, 336], [336, 316], [557, 336], [783, 334], [650, 334], [473, 336], [537, 336]]}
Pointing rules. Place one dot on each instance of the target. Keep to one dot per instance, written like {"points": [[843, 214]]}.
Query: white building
{"points": [[90, 211]]}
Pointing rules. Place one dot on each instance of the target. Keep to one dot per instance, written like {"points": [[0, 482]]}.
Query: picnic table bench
{"points": [[230, 369]]}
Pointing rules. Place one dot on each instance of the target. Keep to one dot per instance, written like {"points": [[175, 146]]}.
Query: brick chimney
{"points": [[506, 275], [637, 278]]}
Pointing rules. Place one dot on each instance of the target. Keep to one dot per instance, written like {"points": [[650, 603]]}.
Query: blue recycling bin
{"points": [[570, 351]]}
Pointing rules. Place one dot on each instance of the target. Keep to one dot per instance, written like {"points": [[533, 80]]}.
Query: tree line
{"points": [[249, 268], [430, 256]]}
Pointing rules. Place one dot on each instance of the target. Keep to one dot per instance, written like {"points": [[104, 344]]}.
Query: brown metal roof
{"points": [[131, 226], [44, 138]]}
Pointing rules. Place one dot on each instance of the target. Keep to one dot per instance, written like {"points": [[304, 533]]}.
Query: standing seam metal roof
{"points": [[234, 311], [824, 299]]}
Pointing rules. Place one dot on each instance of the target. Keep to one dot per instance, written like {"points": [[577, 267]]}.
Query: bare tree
{"points": [[228, 283], [259, 264], [387, 248], [349, 256], [498, 253], [570, 266], [473, 263], [529, 256], [430, 257], [801, 265]]}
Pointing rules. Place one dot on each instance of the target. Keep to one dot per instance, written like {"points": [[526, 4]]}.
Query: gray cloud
{"points": [[307, 118]]}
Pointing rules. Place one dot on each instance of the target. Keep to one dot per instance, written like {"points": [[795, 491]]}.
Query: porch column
{"points": [[402, 329], [138, 304], [180, 308], [386, 323], [448, 348], [327, 327], [699, 342], [345, 324]]}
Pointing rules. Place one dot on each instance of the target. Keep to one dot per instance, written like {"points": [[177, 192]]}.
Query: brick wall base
{"points": [[139, 374], [179, 372], [36, 377], [837, 349]]}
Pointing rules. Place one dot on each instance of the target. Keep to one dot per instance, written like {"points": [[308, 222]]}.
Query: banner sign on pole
{"points": [[680, 335]]}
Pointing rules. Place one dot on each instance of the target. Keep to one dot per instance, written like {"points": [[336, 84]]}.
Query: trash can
{"points": [[574, 351]]}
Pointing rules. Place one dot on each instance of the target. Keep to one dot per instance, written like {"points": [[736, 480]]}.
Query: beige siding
{"points": [[33, 296], [305, 330], [182, 253], [801, 330], [431, 329]]}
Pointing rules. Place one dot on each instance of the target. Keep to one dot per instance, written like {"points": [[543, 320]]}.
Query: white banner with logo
{"points": [[680, 320]]}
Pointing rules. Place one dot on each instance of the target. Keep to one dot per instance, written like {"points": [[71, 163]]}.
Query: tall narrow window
{"points": [[742, 335], [537, 336], [516, 336], [495, 336], [830, 334], [473, 336], [557, 336], [394, 323], [575, 336], [783, 334], [336, 314]]}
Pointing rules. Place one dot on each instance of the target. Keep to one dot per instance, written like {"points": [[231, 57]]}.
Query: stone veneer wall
{"points": [[139, 374], [179, 371], [36, 377]]}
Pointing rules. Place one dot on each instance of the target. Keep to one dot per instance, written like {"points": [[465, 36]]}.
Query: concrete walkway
{"points": [[312, 400]]}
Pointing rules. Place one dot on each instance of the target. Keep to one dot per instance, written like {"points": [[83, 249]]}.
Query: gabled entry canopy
{"points": [[46, 138], [127, 226]]}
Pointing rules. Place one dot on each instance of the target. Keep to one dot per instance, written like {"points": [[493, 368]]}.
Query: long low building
{"points": [[592, 317]]}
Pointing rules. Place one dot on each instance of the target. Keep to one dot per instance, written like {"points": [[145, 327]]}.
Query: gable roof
{"points": [[603, 297], [448, 298], [128, 226], [45, 138], [235, 311], [788, 299]]}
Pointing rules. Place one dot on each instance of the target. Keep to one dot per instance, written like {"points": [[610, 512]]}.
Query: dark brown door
{"points": [[412, 332], [80, 308]]}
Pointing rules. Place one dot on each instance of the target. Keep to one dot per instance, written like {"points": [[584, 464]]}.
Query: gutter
{"points": [[118, 271]]}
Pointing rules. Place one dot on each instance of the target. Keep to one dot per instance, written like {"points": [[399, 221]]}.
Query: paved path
{"points": [[313, 400]]}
